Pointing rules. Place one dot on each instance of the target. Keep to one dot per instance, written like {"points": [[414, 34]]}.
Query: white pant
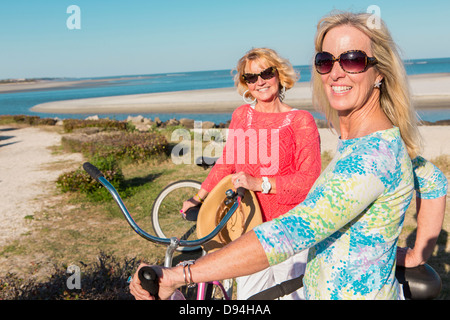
{"points": [[293, 267]]}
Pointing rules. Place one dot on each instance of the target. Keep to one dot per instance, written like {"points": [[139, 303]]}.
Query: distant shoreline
{"points": [[23, 85], [428, 91], [56, 84]]}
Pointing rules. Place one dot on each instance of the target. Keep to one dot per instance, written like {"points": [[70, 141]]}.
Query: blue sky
{"points": [[155, 36]]}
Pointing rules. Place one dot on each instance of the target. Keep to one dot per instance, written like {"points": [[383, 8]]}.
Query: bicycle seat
{"points": [[205, 162], [192, 213], [419, 283]]}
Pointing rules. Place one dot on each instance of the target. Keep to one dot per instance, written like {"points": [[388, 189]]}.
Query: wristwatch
{"points": [[266, 186]]}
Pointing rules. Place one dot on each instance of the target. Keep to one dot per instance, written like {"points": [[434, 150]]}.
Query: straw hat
{"points": [[247, 216]]}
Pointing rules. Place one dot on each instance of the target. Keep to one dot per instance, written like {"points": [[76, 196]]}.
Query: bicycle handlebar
{"points": [[149, 280], [147, 276], [279, 290], [98, 176], [92, 171]]}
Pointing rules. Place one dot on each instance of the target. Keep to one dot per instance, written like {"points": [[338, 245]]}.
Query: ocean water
{"points": [[21, 102]]}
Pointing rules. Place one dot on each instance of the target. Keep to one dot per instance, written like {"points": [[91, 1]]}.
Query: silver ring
{"points": [[237, 181]]}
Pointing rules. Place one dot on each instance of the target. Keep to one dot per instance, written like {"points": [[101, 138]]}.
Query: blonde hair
{"points": [[286, 73], [395, 96]]}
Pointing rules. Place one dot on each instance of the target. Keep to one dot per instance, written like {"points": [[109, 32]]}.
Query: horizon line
{"points": [[22, 79]]}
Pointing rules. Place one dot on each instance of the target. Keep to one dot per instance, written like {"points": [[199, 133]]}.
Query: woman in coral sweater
{"points": [[272, 149]]}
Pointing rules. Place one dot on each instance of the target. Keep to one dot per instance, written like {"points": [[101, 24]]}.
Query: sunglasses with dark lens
{"points": [[354, 61], [266, 74]]}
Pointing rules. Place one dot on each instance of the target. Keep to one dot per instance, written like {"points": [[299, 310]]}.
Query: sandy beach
{"points": [[428, 91]]}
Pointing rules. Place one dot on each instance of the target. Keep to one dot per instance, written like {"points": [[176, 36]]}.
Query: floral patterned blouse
{"points": [[351, 220], [429, 181]]}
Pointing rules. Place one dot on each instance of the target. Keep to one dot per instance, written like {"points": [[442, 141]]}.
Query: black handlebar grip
{"points": [[241, 192], [279, 290], [419, 283], [149, 280], [92, 170], [292, 285]]}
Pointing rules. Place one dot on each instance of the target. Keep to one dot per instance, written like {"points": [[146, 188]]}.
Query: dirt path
{"points": [[28, 169]]}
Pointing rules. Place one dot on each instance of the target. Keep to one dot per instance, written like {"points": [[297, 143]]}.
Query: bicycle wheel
{"points": [[167, 220]]}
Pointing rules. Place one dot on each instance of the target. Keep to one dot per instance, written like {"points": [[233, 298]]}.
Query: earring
{"points": [[246, 100], [282, 93], [377, 84]]}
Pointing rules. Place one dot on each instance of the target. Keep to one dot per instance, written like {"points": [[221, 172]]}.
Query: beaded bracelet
{"points": [[199, 198]]}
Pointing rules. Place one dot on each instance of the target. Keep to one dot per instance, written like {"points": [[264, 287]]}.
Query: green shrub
{"points": [[71, 124], [133, 146], [29, 120], [81, 181]]}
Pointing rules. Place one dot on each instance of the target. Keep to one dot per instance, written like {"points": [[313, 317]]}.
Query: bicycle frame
{"points": [[201, 290]]}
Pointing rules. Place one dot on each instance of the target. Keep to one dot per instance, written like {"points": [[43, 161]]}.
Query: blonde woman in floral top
{"points": [[352, 217]]}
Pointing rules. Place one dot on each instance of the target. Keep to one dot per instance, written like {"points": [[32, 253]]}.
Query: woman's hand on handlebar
{"points": [[408, 258], [166, 286]]}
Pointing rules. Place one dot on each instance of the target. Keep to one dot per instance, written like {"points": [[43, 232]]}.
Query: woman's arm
{"points": [[224, 167], [293, 188], [430, 216], [241, 257], [221, 168], [431, 188]]}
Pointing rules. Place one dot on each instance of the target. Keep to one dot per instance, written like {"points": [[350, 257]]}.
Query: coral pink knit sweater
{"points": [[282, 145]]}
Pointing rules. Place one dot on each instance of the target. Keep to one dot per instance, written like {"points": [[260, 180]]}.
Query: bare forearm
{"points": [[241, 257], [429, 223], [202, 194]]}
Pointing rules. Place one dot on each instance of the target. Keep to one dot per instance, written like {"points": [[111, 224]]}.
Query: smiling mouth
{"points": [[263, 89], [341, 89]]}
